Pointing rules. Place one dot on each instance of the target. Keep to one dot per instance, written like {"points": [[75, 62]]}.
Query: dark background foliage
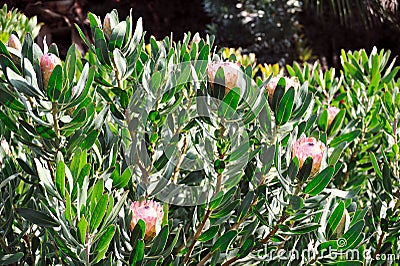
{"points": [[277, 35]]}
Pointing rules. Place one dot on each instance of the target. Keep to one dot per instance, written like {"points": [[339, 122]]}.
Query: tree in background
{"points": [[269, 28], [281, 31]]}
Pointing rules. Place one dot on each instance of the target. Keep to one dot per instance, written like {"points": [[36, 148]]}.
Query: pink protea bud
{"points": [[151, 213], [309, 147], [107, 26], [332, 112], [5, 146], [47, 64], [231, 73], [196, 38], [271, 86], [14, 42]]}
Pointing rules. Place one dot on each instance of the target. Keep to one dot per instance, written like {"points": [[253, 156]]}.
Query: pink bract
{"points": [[309, 147]]}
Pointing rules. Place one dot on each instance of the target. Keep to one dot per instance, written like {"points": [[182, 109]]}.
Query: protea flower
{"points": [[14, 42], [332, 112], [151, 213], [231, 73], [47, 64], [271, 86], [309, 147], [107, 26]]}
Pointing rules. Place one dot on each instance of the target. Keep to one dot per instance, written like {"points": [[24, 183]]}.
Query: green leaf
{"points": [[46, 132], [8, 122], [171, 245], [104, 242], [319, 182], [10, 101], [37, 217], [78, 121], [225, 211], [209, 234], [70, 64], [160, 241], [88, 142], [216, 200], [120, 63], [60, 178], [114, 213], [22, 85], [244, 207], [334, 219], [337, 152], [323, 121], [352, 235], [375, 164], [278, 94], [117, 36], [336, 123], [138, 253], [120, 181], [348, 137], [82, 229], [229, 104], [305, 169], [387, 178], [246, 247], [285, 107], [98, 213], [10, 259], [224, 241], [54, 87], [6, 62], [138, 231], [293, 168], [101, 47], [304, 229]]}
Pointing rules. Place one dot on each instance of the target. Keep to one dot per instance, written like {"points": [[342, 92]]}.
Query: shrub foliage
{"points": [[128, 122]]}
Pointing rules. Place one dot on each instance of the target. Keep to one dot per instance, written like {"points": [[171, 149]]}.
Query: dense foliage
{"points": [[162, 154]]}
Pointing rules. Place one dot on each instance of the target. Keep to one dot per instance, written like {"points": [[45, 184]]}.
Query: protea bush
{"points": [[169, 154]]}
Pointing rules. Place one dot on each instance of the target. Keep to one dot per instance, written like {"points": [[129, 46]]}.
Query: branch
{"points": [[196, 236]]}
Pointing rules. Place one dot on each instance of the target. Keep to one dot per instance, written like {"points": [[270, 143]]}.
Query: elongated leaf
{"points": [[37, 217], [122, 180], [224, 241], [244, 207], [334, 219], [98, 213], [138, 253], [352, 235], [10, 259], [54, 87], [285, 107], [336, 123], [337, 152], [229, 104], [319, 182], [209, 234], [82, 229], [60, 178], [104, 242], [348, 137], [304, 229], [160, 241], [246, 248], [10, 101]]}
